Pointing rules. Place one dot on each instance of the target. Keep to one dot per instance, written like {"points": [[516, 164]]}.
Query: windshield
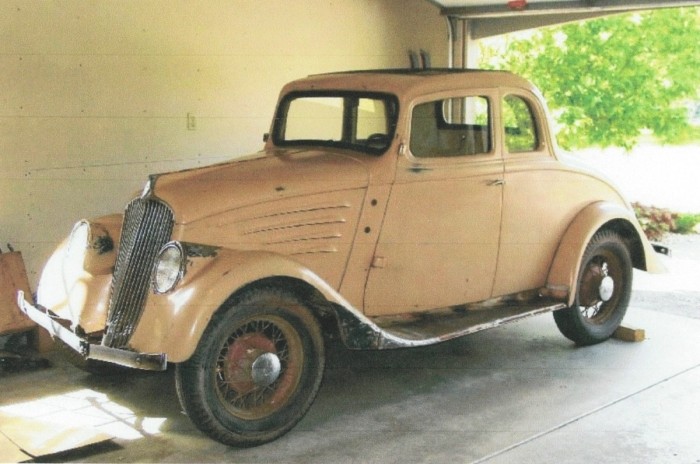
{"points": [[364, 122]]}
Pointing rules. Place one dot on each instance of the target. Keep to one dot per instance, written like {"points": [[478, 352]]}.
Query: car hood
{"points": [[199, 193]]}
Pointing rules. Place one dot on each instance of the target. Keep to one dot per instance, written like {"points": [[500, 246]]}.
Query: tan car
{"points": [[389, 208]]}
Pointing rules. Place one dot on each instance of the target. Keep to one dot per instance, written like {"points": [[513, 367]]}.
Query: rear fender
{"points": [[563, 274], [173, 323]]}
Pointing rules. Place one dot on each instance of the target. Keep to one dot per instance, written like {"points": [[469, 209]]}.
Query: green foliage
{"points": [[690, 135], [608, 79], [686, 223]]}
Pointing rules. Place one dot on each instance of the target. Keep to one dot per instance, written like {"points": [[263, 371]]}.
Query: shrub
{"points": [[685, 223], [655, 222]]}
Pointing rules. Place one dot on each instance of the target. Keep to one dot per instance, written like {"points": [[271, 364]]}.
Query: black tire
{"points": [[230, 399], [602, 291]]}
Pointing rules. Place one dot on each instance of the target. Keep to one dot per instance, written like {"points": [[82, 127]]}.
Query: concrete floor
{"points": [[515, 394]]}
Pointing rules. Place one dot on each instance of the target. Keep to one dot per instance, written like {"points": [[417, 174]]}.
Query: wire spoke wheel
{"points": [[256, 370], [602, 294], [258, 367]]}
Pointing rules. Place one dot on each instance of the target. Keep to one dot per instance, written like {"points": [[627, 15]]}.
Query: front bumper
{"points": [[44, 317]]}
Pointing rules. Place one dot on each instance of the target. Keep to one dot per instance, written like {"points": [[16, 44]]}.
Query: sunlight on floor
{"points": [[90, 409]]}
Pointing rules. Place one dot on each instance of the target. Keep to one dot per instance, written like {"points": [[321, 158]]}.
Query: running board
{"points": [[427, 328]]}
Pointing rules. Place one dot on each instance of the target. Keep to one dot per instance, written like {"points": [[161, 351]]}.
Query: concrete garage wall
{"points": [[95, 94]]}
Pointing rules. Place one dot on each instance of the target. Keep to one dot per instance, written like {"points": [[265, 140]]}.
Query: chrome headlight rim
{"points": [[169, 267]]}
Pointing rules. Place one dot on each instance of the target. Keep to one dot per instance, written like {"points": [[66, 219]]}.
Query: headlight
{"points": [[169, 267]]}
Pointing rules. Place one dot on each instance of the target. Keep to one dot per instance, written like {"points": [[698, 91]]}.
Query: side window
{"points": [[519, 125], [451, 127]]}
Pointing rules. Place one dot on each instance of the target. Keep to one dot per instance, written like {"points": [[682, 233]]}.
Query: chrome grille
{"points": [[148, 224]]}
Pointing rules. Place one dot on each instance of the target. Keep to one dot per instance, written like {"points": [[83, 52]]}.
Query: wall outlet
{"points": [[191, 122]]}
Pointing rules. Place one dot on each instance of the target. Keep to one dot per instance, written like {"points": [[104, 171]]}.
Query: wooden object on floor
{"points": [[13, 277], [629, 334]]}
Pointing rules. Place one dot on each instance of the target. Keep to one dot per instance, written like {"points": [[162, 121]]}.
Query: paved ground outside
{"points": [[678, 290]]}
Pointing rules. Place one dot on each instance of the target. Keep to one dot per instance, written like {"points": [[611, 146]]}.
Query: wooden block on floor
{"points": [[13, 277], [629, 334]]}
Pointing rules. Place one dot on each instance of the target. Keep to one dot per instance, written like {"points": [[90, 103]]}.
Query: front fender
{"points": [[563, 274], [173, 323], [75, 282]]}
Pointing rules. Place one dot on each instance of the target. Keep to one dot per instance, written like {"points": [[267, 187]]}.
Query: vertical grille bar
{"points": [[148, 224]]}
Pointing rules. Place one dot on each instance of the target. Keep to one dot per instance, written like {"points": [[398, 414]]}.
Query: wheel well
{"points": [[305, 292], [631, 238]]}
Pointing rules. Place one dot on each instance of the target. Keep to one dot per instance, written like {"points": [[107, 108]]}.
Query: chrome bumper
{"points": [[151, 362]]}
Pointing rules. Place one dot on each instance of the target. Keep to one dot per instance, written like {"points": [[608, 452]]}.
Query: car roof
{"points": [[409, 83]]}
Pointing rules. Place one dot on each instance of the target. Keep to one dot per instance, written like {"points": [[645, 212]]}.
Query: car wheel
{"points": [[256, 370], [602, 293]]}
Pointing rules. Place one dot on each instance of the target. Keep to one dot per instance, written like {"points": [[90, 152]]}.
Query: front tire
{"points": [[602, 292], [256, 370]]}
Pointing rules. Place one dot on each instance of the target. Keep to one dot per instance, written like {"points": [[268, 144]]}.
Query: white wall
{"points": [[95, 94]]}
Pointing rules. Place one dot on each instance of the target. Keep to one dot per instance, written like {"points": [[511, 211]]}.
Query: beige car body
{"points": [[370, 239]]}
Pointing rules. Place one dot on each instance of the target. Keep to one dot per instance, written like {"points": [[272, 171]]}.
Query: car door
{"points": [[438, 245]]}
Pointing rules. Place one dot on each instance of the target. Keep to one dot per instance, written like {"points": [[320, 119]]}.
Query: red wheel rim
{"points": [[238, 372]]}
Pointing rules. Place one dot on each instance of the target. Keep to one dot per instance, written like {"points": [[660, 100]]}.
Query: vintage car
{"points": [[388, 209]]}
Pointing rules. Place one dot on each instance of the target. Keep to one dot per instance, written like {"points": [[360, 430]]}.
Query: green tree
{"points": [[608, 79]]}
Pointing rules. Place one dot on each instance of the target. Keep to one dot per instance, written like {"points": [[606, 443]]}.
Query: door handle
{"points": [[496, 182]]}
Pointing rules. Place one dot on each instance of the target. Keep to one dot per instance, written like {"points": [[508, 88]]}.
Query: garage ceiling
{"points": [[493, 17]]}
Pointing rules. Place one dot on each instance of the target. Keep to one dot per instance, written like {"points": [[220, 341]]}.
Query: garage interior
{"points": [[99, 95]]}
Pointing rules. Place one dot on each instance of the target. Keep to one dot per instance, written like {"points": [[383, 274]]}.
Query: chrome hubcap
{"points": [[607, 284], [607, 287], [266, 369]]}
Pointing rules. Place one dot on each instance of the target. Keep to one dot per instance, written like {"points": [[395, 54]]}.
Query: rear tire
{"points": [[256, 370], [602, 292]]}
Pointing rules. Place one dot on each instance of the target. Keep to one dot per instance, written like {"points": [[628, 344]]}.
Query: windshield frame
{"points": [[391, 102]]}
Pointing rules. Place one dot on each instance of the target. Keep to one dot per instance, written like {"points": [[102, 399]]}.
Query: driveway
{"points": [[678, 290]]}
